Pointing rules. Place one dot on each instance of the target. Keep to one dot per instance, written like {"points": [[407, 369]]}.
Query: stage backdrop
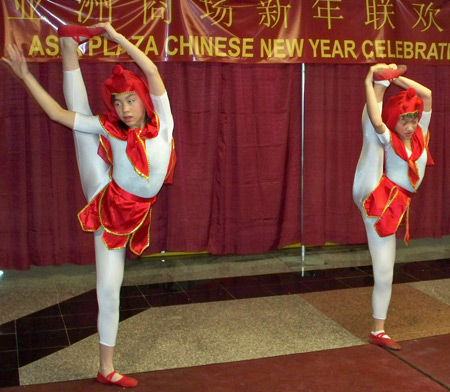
{"points": [[251, 31], [237, 183]]}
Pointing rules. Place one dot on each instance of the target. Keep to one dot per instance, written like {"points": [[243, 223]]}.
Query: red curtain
{"points": [[333, 139], [237, 182]]}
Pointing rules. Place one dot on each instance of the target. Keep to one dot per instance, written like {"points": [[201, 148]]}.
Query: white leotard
{"points": [[396, 167], [158, 150], [371, 161]]}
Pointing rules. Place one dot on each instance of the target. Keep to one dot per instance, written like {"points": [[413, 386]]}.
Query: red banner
{"points": [[249, 31]]}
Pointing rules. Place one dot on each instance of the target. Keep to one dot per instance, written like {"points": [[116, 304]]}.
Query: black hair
{"points": [[409, 116]]}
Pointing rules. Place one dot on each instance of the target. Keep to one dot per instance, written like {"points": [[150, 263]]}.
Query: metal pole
{"points": [[302, 164]]}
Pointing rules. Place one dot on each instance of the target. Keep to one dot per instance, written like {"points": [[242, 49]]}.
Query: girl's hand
{"points": [[110, 32], [16, 61]]}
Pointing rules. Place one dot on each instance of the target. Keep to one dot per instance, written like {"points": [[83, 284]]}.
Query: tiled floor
{"points": [[219, 323]]}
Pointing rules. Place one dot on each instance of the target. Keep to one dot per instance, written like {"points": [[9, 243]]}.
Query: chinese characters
{"points": [[87, 7], [157, 10]]}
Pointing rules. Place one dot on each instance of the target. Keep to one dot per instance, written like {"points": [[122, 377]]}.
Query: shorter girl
{"points": [[389, 172]]}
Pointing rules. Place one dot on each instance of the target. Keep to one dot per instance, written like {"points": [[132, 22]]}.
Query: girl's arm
{"points": [[423, 92], [52, 108], [374, 95], [147, 66]]}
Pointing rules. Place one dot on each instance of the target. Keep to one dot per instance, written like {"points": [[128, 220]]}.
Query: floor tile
{"points": [[439, 289], [323, 284], [433, 274], [9, 360], [335, 273], [413, 268], [159, 288], [172, 299], [187, 312], [403, 277], [202, 333], [275, 279], [49, 311], [38, 324], [74, 308], [9, 378], [16, 302], [8, 342], [287, 288], [239, 281], [412, 313], [128, 303], [78, 361], [423, 271], [357, 281], [32, 355], [253, 291], [44, 339], [430, 355], [363, 368], [77, 334], [130, 291], [401, 274], [439, 264], [200, 285], [80, 320], [211, 295], [8, 328], [127, 313], [88, 296]]}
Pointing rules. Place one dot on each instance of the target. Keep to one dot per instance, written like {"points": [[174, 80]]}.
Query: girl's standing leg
{"points": [[110, 270], [94, 175], [382, 251]]}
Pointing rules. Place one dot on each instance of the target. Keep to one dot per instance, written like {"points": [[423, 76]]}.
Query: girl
{"points": [[390, 170], [136, 142]]}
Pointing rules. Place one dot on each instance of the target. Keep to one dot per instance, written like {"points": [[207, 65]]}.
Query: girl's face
{"points": [[405, 128], [130, 109]]}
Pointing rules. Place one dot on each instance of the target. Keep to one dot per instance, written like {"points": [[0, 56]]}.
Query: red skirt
{"points": [[389, 203], [123, 216]]}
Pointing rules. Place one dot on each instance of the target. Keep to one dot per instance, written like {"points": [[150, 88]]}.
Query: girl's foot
{"points": [[389, 73], [79, 32], [383, 340], [121, 381]]}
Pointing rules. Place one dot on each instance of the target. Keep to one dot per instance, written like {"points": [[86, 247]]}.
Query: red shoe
{"points": [[78, 32], [125, 381], [384, 340], [389, 73]]}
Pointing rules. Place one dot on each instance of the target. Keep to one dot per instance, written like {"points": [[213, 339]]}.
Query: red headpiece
{"points": [[405, 102], [124, 81]]}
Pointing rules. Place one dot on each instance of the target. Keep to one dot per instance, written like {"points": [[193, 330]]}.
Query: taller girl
{"points": [[390, 170], [135, 143]]}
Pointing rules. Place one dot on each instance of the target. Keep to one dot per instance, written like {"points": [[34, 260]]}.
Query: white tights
{"points": [[94, 175], [382, 251], [110, 266], [94, 171]]}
